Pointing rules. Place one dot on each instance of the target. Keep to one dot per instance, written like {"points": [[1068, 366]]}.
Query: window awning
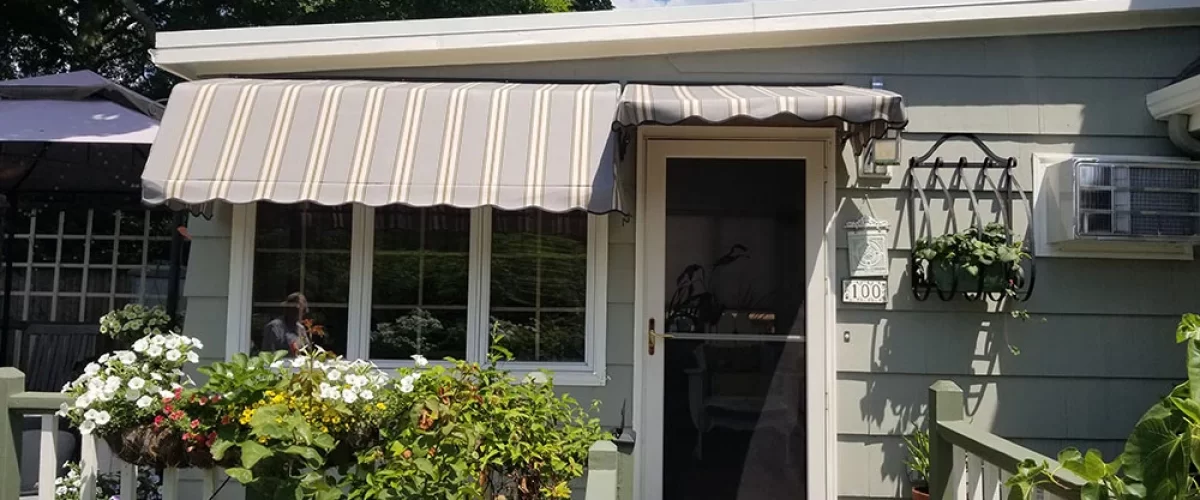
{"points": [[508, 145], [867, 112], [377, 143]]}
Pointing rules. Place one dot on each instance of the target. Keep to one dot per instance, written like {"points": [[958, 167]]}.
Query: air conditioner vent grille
{"points": [[1165, 201], [1163, 178], [1164, 225]]}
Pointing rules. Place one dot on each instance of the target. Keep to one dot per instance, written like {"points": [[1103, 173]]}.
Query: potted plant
{"points": [[918, 464], [975, 260]]}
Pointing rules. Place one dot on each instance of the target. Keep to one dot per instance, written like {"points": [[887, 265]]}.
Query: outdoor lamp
{"points": [[881, 154]]}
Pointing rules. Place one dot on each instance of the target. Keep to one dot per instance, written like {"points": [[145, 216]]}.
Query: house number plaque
{"points": [[864, 291]]}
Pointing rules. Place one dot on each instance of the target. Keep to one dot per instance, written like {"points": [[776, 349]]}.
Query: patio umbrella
{"points": [[71, 139]]}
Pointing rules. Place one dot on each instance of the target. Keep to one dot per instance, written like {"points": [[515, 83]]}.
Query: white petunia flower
{"points": [[192, 357], [90, 414], [277, 364], [156, 376], [197, 343], [154, 351], [87, 427], [103, 418], [166, 395], [104, 358], [420, 360], [349, 396], [299, 361], [157, 340], [367, 395], [127, 357], [64, 409], [92, 369], [406, 386], [141, 345], [83, 401], [137, 383], [174, 355], [334, 375], [60, 491], [416, 376], [172, 343], [144, 402], [132, 395]]}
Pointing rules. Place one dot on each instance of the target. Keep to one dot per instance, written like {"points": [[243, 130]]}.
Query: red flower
{"points": [[158, 420], [225, 420], [212, 438], [176, 415], [167, 408], [216, 397], [195, 423], [203, 400]]}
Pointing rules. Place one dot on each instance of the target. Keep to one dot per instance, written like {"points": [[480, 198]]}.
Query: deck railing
{"points": [[973, 464], [603, 478]]}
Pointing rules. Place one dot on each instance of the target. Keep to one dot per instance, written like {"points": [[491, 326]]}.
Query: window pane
{"points": [[436, 334], [419, 289], [538, 286], [301, 248]]}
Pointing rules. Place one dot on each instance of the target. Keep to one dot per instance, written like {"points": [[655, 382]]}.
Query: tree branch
{"points": [[142, 18]]}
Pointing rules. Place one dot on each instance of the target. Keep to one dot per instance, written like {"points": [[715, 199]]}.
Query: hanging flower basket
{"points": [[949, 276], [150, 446]]}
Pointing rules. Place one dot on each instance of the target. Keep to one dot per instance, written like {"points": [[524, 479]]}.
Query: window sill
{"points": [[564, 376]]}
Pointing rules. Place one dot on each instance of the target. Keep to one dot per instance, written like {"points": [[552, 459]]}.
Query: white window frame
{"points": [[590, 372]]}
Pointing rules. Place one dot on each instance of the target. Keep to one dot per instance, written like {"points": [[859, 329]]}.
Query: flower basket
{"points": [[148, 446], [993, 278]]}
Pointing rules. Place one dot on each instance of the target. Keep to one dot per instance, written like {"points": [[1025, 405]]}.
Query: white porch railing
{"points": [[602, 482], [971, 464]]}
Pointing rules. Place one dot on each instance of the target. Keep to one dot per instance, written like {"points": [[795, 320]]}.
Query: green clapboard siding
{"points": [[1105, 349]]}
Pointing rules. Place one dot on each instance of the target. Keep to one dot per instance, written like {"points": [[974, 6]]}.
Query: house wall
{"points": [[1099, 348]]}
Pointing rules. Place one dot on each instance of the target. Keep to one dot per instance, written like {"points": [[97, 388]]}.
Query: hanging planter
{"points": [[989, 260], [977, 260]]}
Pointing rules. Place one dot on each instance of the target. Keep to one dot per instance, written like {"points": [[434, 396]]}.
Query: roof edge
{"points": [[592, 35]]}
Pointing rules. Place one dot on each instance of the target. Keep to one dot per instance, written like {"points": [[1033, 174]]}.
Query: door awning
{"points": [[867, 112], [332, 142]]}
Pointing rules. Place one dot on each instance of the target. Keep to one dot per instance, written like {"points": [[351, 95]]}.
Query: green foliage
{"points": [[114, 38], [1161, 459], [473, 431], [986, 257], [975, 251], [134, 321], [918, 459]]}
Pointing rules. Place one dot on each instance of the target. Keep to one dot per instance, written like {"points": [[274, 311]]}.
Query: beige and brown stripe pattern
{"points": [[378, 143], [867, 111]]}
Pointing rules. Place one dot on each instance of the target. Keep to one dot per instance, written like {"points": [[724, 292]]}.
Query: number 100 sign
{"points": [[864, 291]]}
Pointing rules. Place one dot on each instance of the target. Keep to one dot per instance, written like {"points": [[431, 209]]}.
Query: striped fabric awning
{"points": [[868, 112], [333, 142]]}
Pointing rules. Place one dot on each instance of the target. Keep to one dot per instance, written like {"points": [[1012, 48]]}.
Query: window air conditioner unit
{"points": [[1095, 203]]}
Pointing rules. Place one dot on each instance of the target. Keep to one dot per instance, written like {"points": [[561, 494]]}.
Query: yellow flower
{"points": [[262, 440], [381, 406]]}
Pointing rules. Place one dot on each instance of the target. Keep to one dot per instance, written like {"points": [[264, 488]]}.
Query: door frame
{"points": [[820, 244]]}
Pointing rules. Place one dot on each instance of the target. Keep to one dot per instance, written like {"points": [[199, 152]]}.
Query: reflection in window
{"points": [[419, 289], [303, 248], [538, 290]]}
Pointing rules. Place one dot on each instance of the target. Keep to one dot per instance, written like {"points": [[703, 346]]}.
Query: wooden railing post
{"points": [[945, 405], [602, 471], [12, 381]]}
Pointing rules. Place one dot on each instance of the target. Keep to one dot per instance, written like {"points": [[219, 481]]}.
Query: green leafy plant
{"points": [[918, 460], [134, 321], [986, 259], [1161, 459], [470, 431], [987, 256]]}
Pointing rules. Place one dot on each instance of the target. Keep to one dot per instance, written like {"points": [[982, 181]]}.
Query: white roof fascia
{"points": [[1178, 98], [636, 32]]}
